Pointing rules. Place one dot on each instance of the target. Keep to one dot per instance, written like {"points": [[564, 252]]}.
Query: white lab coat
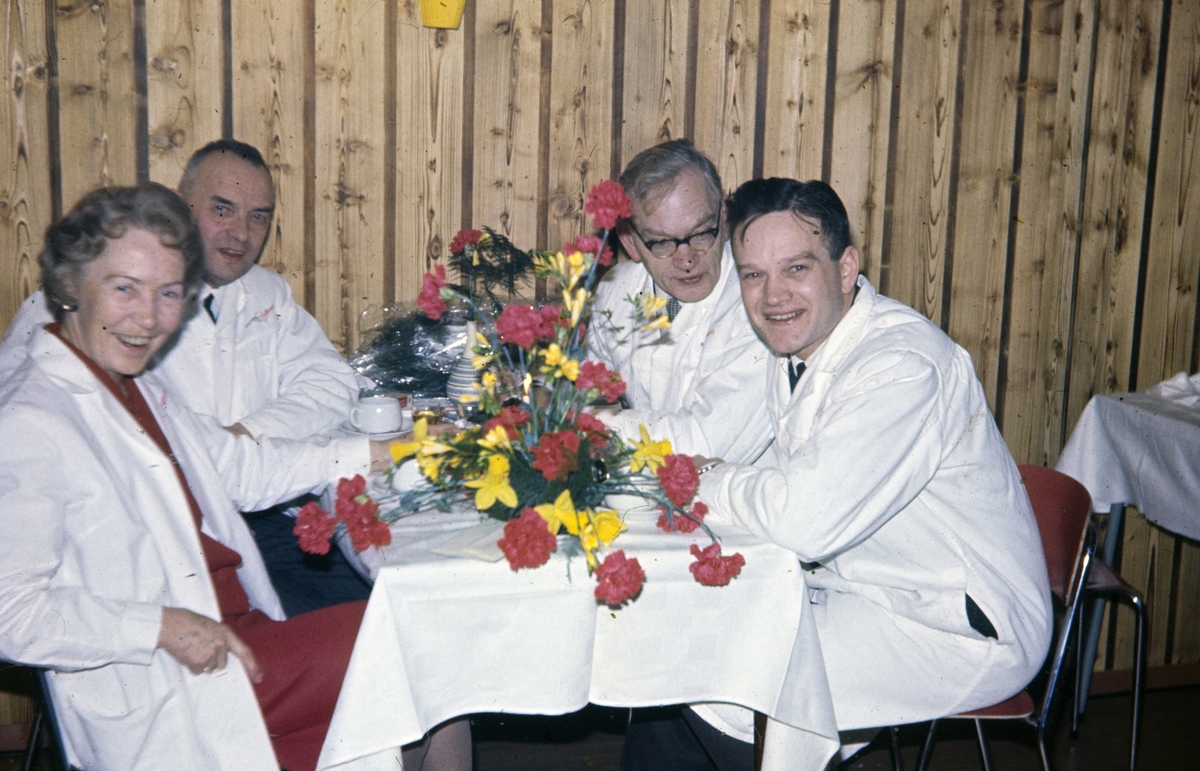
{"points": [[266, 363], [701, 384], [96, 537], [896, 480]]}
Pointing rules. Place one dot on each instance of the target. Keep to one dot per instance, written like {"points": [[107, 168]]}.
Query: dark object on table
{"points": [[410, 353]]}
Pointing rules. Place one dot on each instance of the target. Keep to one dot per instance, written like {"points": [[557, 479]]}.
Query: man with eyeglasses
{"points": [[702, 383]]}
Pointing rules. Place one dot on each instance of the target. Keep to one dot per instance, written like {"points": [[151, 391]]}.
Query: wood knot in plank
{"points": [[164, 64]]}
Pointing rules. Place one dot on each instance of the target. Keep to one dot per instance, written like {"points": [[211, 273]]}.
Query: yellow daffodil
{"points": [[561, 513], [493, 485], [558, 363], [648, 452], [430, 465], [608, 525], [401, 451], [496, 439]]}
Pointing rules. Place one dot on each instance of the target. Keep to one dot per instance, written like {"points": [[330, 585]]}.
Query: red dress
{"points": [[303, 659]]}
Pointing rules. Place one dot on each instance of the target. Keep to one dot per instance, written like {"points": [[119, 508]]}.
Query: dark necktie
{"points": [[672, 309], [794, 373], [207, 303]]}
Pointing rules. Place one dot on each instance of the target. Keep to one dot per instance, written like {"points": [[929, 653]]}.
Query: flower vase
{"points": [[463, 376]]}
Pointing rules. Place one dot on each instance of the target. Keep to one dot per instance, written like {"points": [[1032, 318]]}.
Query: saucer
{"points": [[385, 437]]}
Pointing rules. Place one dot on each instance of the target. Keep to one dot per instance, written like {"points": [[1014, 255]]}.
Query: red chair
{"points": [[1063, 510]]}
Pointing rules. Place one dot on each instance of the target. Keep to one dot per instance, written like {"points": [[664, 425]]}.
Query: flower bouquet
{"points": [[537, 458]]}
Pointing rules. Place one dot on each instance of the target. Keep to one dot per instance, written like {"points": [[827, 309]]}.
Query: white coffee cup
{"points": [[377, 415]]}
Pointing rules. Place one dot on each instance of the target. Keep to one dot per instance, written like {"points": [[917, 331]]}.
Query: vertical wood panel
{"points": [[914, 260], [1169, 314], [349, 165], [726, 79], [861, 112], [990, 69], [269, 66], [1138, 555], [1185, 647], [581, 95], [655, 74], [25, 203], [25, 196], [97, 110], [508, 39], [1158, 596], [1111, 227], [1056, 102], [797, 65], [183, 99], [429, 73]]}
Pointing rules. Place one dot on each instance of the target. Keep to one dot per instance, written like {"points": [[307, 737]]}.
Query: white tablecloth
{"points": [[444, 637], [1142, 449]]}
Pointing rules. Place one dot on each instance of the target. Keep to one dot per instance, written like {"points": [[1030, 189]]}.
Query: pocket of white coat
{"points": [[142, 737]]}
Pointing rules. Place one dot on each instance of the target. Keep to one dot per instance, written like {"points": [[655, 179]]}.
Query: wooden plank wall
{"points": [[1018, 170]]}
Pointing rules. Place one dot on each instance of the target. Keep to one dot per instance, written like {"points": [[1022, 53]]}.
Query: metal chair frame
{"points": [[1071, 627], [44, 719]]}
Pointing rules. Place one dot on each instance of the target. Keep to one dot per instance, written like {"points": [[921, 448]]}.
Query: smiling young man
{"points": [[701, 383], [894, 486]]}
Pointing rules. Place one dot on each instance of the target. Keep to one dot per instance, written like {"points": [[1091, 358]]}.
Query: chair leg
{"points": [[1077, 702], [927, 747], [983, 748], [1139, 673], [897, 759], [35, 734]]}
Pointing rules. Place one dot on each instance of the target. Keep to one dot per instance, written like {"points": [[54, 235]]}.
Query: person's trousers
{"points": [[304, 582], [676, 738]]}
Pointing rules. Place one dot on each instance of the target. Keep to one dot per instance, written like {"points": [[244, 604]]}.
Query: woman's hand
{"points": [[201, 644]]}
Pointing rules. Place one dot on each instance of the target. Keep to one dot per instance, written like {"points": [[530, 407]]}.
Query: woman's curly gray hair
{"points": [[107, 214]]}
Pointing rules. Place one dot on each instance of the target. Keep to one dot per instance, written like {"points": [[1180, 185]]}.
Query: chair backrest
{"points": [[1062, 507]]}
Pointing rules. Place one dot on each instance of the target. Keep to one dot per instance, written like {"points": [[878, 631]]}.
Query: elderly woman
{"points": [[121, 545]]}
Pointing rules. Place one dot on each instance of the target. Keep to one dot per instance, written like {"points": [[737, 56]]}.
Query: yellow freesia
{"points": [[658, 323], [648, 452], [575, 302], [559, 364], [489, 381], [401, 451], [589, 542], [650, 304], [561, 513], [576, 265], [493, 485], [496, 439], [479, 362]]}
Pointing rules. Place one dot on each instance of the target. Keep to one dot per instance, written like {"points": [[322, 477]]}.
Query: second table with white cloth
{"points": [[445, 636]]}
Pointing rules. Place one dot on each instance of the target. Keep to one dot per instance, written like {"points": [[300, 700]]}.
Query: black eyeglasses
{"points": [[665, 247]]}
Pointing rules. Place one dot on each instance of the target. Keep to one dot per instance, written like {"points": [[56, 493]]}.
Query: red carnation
{"points": [[607, 203], [464, 238], [597, 433], [430, 297], [678, 478], [351, 488], [520, 324], [551, 319], [683, 523], [527, 541], [711, 569], [618, 579], [511, 417], [556, 455], [314, 527], [593, 374], [589, 245]]}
